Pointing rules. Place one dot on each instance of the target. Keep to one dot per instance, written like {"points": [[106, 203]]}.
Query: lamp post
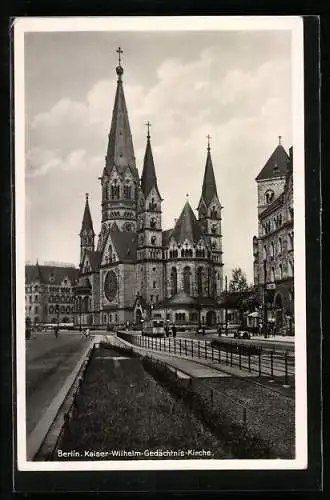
{"points": [[79, 304], [226, 308], [57, 309], [265, 301]]}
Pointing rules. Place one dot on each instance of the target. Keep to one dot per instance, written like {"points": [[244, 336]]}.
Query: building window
{"points": [[279, 247], [154, 284], [180, 317], [264, 252], [157, 298], [186, 280], [127, 192], [62, 309], [291, 269], [269, 196], [51, 310], [36, 310], [193, 316], [272, 250], [272, 275], [174, 281], [280, 272], [200, 281], [153, 240]]}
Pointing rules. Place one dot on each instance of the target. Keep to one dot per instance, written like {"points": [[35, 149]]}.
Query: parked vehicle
{"points": [[153, 328], [242, 334]]}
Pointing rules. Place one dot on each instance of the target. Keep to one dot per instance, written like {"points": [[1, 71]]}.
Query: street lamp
{"points": [[79, 305], [57, 310], [265, 301], [226, 308]]}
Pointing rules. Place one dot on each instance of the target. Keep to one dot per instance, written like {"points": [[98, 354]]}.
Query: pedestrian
{"points": [[219, 330], [56, 330], [87, 333], [174, 331], [203, 330]]}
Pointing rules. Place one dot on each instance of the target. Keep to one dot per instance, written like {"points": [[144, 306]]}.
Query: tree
{"points": [[238, 282]]}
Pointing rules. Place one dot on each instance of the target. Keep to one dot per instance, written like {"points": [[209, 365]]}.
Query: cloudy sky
{"points": [[233, 85]]}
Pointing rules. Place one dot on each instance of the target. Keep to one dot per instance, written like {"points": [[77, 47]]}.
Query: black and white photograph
{"points": [[160, 243]]}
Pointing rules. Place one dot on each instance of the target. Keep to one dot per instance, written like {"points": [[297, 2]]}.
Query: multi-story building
{"points": [[273, 248], [49, 296], [137, 269]]}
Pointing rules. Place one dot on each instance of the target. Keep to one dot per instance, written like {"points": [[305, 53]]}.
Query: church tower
{"points": [[209, 214], [87, 234], [149, 227], [120, 178]]}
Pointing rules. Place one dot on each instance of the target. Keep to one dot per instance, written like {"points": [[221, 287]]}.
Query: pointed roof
{"points": [[43, 273], [209, 189], [148, 178], [276, 166], [187, 226], [125, 244], [120, 151], [87, 224]]}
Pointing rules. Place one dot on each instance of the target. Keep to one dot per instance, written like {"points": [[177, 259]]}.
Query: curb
{"points": [[37, 436]]}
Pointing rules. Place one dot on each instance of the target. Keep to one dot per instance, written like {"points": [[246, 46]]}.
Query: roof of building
{"points": [[148, 178], [166, 235], [209, 189], [187, 226], [125, 244], [94, 258], [274, 205], [276, 166], [120, 151], [50, 274], [87, 223], [181, 298]]}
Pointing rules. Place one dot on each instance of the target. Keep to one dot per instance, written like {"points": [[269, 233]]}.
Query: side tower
{"points": [[120, 177], [209, 214], [149, 227], [87, 234], [271, 178]]}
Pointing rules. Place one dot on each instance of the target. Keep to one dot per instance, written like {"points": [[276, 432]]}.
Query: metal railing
{"points": [[272, 363]]}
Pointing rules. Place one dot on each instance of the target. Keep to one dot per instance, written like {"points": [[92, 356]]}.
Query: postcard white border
{"points": [[97, 24]]}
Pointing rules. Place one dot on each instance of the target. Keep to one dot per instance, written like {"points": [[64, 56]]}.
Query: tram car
{"points": [[153, 328]]}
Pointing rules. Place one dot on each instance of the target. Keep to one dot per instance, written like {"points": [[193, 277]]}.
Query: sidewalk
{"points": [[192, 367]]}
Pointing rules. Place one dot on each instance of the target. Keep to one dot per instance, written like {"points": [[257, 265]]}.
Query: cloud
{"points": [[244, 104]]}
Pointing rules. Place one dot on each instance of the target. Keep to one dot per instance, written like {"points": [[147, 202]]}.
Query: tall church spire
{"points": [[148, 178], [87, 234], [209, 189], [87, 223], [120, 151]]}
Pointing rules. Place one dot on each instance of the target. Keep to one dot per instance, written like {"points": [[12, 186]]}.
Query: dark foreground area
{"points": [[123, 413]]}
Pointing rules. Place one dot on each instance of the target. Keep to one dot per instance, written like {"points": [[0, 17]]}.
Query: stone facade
{"points": [[273, 252], [137, 269]]}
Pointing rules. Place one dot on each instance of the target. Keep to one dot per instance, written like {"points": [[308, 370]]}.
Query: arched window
{"points": [[291, 269], [174, 281], [269, 196], [209, 282], [110, 253], [186, 280], [127, 192], [182, 253], [200, 281], [272, 275], [272, 249], [279, 246], [264, 252], [280, 271]]}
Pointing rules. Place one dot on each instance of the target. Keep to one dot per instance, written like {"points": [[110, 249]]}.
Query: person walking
{"points": [[219, 330], [174, 331]]}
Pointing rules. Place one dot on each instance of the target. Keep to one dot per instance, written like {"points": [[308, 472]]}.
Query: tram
{"points": [[153, 328]]}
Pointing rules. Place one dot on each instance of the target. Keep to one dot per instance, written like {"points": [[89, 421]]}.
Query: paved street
{"points": [[49, 361]]}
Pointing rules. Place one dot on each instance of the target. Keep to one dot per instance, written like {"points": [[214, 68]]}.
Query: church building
{"points": [[136, 270]]}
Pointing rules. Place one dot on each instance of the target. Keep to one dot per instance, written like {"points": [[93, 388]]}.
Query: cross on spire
{"points": [[279, 140], [148, 125], [208, 142], [187, 196], [86, 194], [119, 52]]}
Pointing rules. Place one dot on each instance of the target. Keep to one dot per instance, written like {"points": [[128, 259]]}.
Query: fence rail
{"points": [[261, 362]]}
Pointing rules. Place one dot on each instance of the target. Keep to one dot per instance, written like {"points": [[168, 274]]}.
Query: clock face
{"points": [[110, 285]]}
